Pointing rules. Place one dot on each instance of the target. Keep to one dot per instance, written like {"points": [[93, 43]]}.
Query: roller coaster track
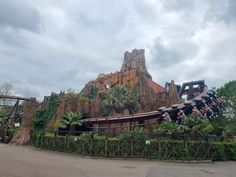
{"points": [[207, 97]]}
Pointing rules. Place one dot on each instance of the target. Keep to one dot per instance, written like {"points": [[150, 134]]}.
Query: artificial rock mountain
{"points": [[133, 72]]}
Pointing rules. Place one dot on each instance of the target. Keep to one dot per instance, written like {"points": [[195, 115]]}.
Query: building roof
{"points": [[156, 87]]}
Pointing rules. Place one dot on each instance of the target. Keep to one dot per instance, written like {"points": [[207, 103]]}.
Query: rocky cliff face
{"points": [[22, 136], [135, 60], [173, 95], [91, 108]]}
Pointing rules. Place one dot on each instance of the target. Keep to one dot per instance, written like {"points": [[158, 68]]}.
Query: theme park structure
{"points": [[15, 112], [205, 105], [156, 103]]}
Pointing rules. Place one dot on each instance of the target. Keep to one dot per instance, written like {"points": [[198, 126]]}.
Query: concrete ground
{"points": [[18, 161]]}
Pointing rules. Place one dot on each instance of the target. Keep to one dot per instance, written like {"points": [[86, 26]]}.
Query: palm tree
{"points": [[121, 98], [71, 118], [132, 100]]}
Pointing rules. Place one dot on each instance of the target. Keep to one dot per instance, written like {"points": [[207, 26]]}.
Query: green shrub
{"points": [[87, 136], [137, 146], [219, 151], [230, 151], [38, 139], [168, 128], [137, 134], [11, 132], [196, 124]]}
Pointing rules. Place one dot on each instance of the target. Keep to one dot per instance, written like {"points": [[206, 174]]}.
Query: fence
{"points": [[162, 149]]}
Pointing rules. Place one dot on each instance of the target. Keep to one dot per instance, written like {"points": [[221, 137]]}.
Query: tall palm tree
{"points": [[121, 98], [132, 100]]}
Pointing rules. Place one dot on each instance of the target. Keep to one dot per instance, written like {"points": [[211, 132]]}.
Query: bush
{"points": [[37, 138], [137, 134], [169, 127], [127, 146], [86, 136], [230, 151], [196, 124], [11, 132], [219, 151]]}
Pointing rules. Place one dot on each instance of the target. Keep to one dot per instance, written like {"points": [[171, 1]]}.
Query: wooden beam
{"points": [[17, 98]]}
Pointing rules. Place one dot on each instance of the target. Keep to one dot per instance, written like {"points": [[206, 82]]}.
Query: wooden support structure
{"points": [[14, 111]]}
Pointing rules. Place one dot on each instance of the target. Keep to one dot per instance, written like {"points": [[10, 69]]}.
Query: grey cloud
{"points": [[165, 55], [212, 9], [80, 39], [19, 14], [222, 11], [28, 91], [178, 5], [214, 61], [231, 12]]}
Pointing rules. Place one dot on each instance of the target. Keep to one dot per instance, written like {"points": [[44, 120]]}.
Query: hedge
{"points": [[151, 149]]}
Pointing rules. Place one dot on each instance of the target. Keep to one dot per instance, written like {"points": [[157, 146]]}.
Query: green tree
{"points": [[44, 114], [169, 127], [120, 98], [131, 100], [198, 125], [70, 118], [39, 118], [228, 92], [225, 121]]}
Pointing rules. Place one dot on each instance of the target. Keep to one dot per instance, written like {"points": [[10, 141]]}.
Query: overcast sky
{"points": [[53, 45]]}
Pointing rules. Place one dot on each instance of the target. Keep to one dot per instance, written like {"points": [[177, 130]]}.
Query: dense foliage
{"points": [[44, 114], [169, 127], [193, 125], [70, 118], [137, 134], [3, 113], [121, 98], [198, 125], [225, 122], [94, 93]]}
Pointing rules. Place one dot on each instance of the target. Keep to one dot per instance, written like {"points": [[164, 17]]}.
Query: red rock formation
{"points": [[173, 95]]}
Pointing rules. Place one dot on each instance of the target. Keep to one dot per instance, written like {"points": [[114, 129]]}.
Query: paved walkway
{"points": [[18, 161]]}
